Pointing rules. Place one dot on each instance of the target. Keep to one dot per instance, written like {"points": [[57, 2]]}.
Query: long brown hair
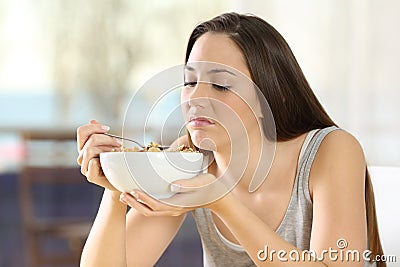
{"points": [[274, 69]]}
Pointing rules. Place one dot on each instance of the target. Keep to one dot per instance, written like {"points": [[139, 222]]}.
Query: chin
{"points": [[202, 140], [207, 142]]}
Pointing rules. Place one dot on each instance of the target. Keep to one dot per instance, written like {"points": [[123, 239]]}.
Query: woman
{"points": [[323, 204]]}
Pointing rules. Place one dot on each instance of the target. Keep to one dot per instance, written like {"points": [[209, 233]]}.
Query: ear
{"points": [[258, 111]]}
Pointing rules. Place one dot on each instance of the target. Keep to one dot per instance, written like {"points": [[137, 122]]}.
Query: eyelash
{"points": [[216, 86], [189, 83]]}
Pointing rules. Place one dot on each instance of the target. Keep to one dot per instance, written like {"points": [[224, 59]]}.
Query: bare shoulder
{"points": [[183, 140], [339, 146], [340, 159]]}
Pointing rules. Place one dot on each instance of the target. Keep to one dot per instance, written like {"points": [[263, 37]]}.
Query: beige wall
{"points": [[349, 51]]}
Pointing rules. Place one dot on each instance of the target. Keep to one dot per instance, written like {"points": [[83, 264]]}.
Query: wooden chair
{"points": [[45, 168]]}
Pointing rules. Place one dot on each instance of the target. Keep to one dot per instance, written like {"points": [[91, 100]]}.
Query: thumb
{"points": [[192, 184], [94, 122]]}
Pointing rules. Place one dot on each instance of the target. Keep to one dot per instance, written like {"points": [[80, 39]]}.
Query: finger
{"points": [[85, 131], [145, 210], [135, 204], [102, 140], [96, 176], [90, 153], [99, 140], [81, 154], [152, 203], [198, 191]]}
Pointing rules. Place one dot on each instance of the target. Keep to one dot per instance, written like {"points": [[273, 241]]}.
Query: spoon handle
{"points": [[124, 138], [131, 140]]}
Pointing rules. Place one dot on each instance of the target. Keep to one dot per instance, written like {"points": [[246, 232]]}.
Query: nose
{"points": [[198, 95]]}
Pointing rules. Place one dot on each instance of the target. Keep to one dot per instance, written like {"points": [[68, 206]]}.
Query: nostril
{"points": [[196, 102]]}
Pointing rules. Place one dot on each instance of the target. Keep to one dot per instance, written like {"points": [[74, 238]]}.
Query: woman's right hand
{"points": [[91, 142]]}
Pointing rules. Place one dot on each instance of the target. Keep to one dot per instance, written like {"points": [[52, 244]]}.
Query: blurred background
{"points": [[63, 63]]}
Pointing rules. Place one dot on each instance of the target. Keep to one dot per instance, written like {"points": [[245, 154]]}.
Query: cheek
{"points": [[184, 102], [244, 112], [183, 95], [248, 117], [238, 106]]}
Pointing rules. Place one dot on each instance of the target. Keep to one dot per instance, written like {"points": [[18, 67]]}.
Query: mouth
{"points": [[199, 122]]}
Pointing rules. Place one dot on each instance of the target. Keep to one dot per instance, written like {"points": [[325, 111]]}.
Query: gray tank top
{"points": [[295, 227]]}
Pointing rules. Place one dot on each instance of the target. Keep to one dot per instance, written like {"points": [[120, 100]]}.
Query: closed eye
{"points": [[189, 84], [221, 87], [214, 85]]}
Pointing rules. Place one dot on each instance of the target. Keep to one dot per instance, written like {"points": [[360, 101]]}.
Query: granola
{"points": [[154, 147]]}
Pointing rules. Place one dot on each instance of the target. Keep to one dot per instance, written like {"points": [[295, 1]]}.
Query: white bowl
{"points": [[151, 172]]}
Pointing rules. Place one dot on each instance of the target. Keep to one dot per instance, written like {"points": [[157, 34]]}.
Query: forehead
{"points": [[218, 48]]}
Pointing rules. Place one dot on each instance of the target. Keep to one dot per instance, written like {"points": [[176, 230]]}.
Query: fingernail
{"points": [[118, 141], [174, 188], [122, 198], [134, 194], [105, 127]]}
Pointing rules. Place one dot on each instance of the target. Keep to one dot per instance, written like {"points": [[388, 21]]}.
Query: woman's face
{"points": [[219, 100]]}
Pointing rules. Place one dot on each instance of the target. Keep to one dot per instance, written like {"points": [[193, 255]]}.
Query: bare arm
{"points": [[105, 245], [118, 238], [338, 208], [148, 237]]}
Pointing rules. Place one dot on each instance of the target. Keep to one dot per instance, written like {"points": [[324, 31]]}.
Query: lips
{"points": [[200, 122]]}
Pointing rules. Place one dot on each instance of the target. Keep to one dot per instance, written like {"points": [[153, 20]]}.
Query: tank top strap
{"points": [[308, 157]]}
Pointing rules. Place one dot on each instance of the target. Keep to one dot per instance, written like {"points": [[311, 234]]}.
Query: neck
{"points": [[245, 165], [253, 166]]}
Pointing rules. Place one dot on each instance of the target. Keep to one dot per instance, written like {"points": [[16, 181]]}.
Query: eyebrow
{"points": [[189, 68]]}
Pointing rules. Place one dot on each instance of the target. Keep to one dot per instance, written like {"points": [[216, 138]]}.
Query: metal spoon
{"points": [[131, 140]]}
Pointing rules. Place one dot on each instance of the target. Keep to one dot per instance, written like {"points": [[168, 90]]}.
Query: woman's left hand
{"points": [[204, 190]]}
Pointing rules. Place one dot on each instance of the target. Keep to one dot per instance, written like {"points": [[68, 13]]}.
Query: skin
{"points": [[336, 186]]}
